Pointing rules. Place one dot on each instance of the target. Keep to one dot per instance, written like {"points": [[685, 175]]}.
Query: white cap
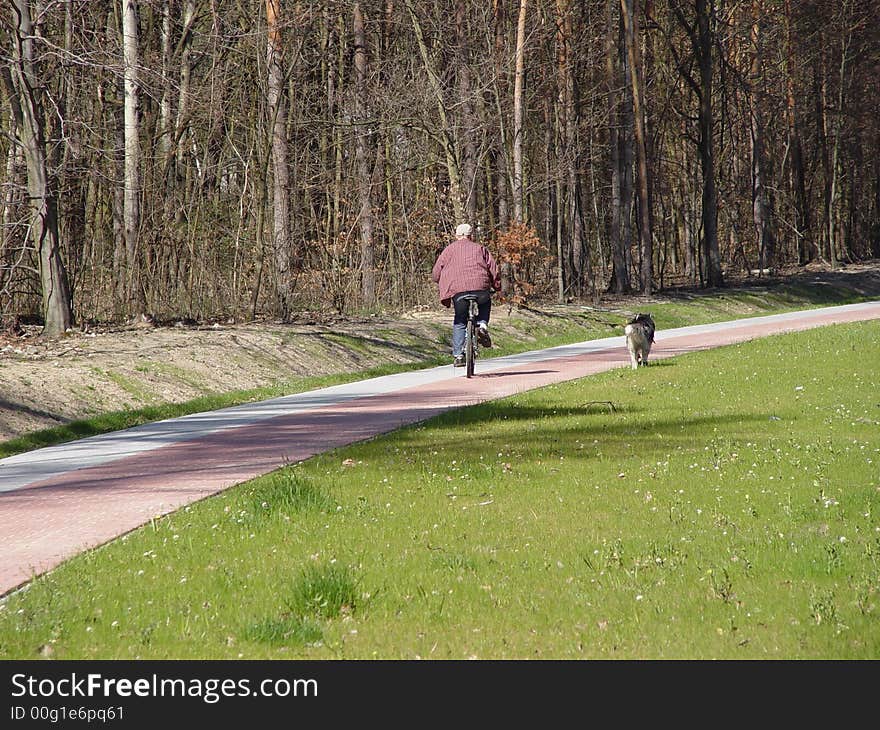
{"points": [[463, 229]]}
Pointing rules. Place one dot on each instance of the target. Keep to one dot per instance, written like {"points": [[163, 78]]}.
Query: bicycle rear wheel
{"points": [[470, 348]]}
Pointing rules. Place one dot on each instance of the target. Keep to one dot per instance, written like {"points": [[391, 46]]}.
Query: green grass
{"points": [[127, 384], [727, 507]]}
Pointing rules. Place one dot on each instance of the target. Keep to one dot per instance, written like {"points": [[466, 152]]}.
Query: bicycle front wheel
{"points": [[470, 348]]}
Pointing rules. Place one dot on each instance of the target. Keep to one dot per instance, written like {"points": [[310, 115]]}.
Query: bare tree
{"points": [[833, 214], [705, 41], [629, 10], [364, 183], [277, 104], [619, 283], [467, 132], [761, 210], [570, 225], [797, 177], [519, 114], [702, 41], [26, 96], [136, 304], [502, 174], [181, 124], [165, 132]]}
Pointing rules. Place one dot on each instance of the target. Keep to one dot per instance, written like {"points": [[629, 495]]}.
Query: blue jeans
{"points": [[459, 323]]}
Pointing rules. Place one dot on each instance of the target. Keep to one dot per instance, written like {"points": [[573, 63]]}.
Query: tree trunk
{"points": [[562, 145], [518, 114], [761, 213], [714, 275], [569, 203], [501, 158], [625, 138], [835, 244], [135, 301], [629, 11], [281, 239], [335, 74], [619, 283], [797, 182], [466, 126], [114, 107], [25, 93], [181, 124], [11, 195], [364, 183], [820, 94], [165, 132]]}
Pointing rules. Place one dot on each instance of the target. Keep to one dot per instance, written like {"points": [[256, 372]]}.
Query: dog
{"points": [[639, 338]]}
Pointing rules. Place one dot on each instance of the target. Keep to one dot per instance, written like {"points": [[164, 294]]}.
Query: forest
{"points": [[259, 158]]}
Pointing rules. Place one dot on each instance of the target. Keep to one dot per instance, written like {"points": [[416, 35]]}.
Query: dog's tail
{"points": [[646, 321], [643, 322]]}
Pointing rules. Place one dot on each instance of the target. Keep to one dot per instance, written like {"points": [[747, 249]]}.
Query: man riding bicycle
{"points": [[466, 268]]}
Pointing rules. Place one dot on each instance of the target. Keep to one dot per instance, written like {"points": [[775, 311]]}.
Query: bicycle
{"points": [[470, 337]]}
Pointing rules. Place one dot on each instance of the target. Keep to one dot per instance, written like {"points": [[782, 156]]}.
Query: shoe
{"points": [[483, 336], [458, 362]]}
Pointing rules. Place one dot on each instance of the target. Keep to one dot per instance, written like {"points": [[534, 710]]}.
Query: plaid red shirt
{"points": [[465, 266]]}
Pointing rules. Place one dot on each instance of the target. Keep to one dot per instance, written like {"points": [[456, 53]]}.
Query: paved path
{"points": [[62, 500]]}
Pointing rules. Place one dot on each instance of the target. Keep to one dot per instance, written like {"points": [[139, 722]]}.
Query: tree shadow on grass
{"points": [[469, 433]]}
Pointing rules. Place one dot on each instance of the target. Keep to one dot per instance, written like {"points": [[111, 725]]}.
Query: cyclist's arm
{"points": [[438, 267], [492, 267]]}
